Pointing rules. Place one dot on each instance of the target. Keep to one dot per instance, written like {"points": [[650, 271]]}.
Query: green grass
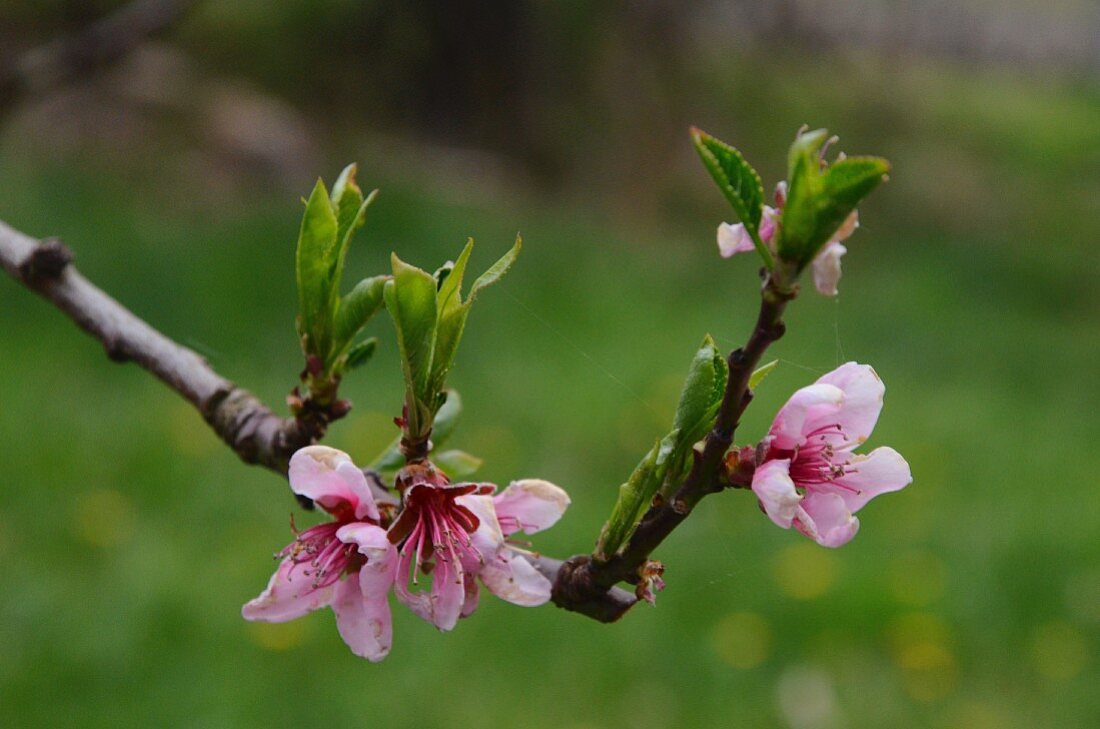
{"points": [[129, 536]]}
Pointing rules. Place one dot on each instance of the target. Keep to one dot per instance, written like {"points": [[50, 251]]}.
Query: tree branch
{"points": [[249, 427], [259, 436], [83, 53]]}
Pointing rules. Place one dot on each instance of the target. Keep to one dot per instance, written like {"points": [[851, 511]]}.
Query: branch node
{"points": [[116, 351], [47, 261]]}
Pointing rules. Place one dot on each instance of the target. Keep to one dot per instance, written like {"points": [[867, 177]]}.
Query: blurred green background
{"points": [[129, 536]]}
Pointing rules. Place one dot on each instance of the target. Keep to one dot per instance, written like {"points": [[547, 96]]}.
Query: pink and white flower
{"points": [[347, 564], [808, 476], [456, 533], [734, 239]]}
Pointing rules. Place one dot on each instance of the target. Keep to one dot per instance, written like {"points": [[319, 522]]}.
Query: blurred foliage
{"points": [[130, 536]]}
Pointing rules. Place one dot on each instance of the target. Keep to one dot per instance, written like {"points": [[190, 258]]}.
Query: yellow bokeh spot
{"points": [[104, 518], [279, 636], [920, 643], [743, 639], [914, 628], [1058, 651], [918, 578], [928, 671], [805, 570]]}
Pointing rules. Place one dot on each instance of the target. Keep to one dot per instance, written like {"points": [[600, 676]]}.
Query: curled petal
{"points": [[363, 619], [769, 223], [530, 504], [824, 518], [881, 471], [863, 393], [328, 476], [511, 577], [289, 594], [734, 239], [805, 407], [847, 227], [488, 538], [472, 590], [772, 484], [781, 194], [827, 268]]}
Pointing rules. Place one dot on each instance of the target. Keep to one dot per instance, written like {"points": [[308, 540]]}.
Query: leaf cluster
{"points": [[429, 313], [327, 322]]}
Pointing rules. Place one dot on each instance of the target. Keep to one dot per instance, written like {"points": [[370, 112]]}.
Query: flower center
{"points": [[821, 459], [323, 557], [436, 527]]}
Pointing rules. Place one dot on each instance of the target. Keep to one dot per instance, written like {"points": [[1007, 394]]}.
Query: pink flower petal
{"points": [[488, 537], [472, 593], [813, 401], [734, 239], [531, 505], [418, 601], [863, 393], [825, 518], [448, 593], [881, 471], [769, 224], [511, 577], [772, 484], [826, 267], [328, 476], [289, 594], [363, 617]]}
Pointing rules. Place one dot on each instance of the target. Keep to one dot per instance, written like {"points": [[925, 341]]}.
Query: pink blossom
{"points": [[450, 534], [455, 533], [347, 564], [808, 476], [734, 239]]}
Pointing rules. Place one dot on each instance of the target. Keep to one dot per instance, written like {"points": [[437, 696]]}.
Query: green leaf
{"points": [[450, 291], [411, 301], [457, 464], [340, 252], [452, 323], [849, 180], [316, 239], [498, 269], [700, 399], [820, 199], [702, 392], [356, 309], [361, 353], [632, 497], [347, 201], [738, 181], [453, 310], [761, 372], [452, 318]]}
